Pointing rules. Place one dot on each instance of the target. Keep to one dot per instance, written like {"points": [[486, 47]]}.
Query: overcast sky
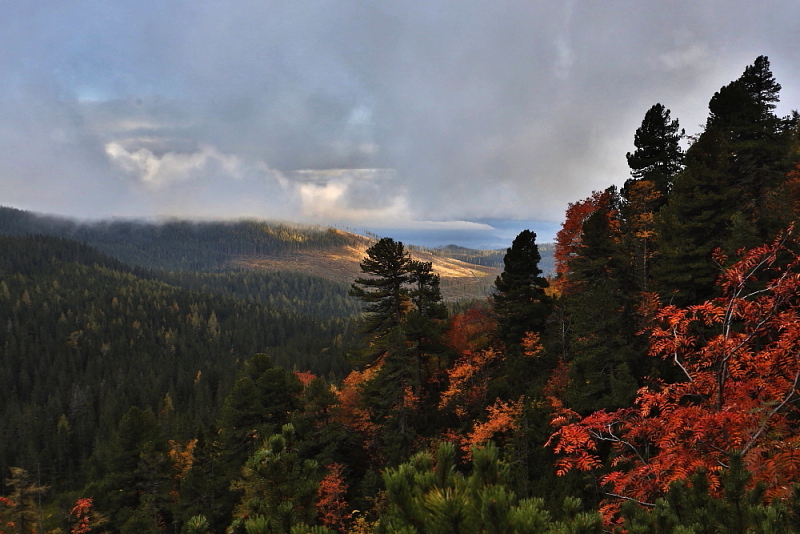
{"points": [[458, 116]]}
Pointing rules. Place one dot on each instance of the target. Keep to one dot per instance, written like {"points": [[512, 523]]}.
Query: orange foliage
{"points": [[470, 331], [738, 355], [502, 418], [793, 188], [410, 399], [8, 524], [349, 411], [531, 345], [81, 514], [304, 377], [182, 456], [330, 499], [467, 380], [568, 239], [642, 197]]}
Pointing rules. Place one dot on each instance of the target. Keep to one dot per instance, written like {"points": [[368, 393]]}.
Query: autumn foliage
{"points": [[568, 239], [81, 514], [739, 393], [501, 417], [467, 380], [331, 504]]}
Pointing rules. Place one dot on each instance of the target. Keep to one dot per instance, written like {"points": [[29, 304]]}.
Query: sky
{"points": [[457, 121]]}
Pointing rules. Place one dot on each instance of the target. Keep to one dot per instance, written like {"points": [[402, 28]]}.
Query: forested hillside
{"points": [[178, 245], [649, 385], [259, 246], [85, 337]]}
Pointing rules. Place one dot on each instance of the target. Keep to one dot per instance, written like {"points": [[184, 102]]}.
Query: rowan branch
{"points": [[772, 413]]}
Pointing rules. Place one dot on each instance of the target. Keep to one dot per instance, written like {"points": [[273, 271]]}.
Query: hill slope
{"points": [[222, 246]]}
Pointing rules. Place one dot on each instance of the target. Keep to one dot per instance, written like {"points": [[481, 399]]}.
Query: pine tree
{"points": [[384, 292], [658, 156], [736, 506], [520, 301], [428, 495], [403, 329], [278, 487]]}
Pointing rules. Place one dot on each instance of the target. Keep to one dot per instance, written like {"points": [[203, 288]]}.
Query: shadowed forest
{"points": [[642, 377]]}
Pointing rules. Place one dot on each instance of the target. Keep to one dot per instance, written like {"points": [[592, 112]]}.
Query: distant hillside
{"points": [[493, 258], [460, 279], [249, 244], [177, 245]]}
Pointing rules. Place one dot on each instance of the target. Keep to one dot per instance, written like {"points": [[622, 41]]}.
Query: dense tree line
{"points": [[177, 245], [83, 338]]}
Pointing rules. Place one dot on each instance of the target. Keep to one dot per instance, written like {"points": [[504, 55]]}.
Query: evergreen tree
{"points": [[696, 221], [520, 301], [428, 495], [424, 324], [278, 487], [604, 354], [744, 109], [722, 197], [384, 292], [403, 328], [25, 513], [132, 478], [689, 507], [658, 156], [742, 112]]}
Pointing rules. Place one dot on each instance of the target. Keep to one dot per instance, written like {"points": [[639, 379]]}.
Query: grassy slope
{"points": [[460, 280]]}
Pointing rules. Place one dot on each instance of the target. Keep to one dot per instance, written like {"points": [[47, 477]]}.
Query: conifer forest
{"points": [[648, 383]]}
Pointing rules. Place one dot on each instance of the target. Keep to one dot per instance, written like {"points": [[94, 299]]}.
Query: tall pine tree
{"points": [[658, 156]]}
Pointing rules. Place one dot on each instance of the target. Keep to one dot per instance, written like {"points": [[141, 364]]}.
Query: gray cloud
{"points": [[397, 112]]}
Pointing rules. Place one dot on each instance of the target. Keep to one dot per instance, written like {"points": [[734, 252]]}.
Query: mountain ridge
{"points": [[218, 246]]}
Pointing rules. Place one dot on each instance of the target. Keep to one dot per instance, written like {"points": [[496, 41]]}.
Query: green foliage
{"points": [[604, 352], [197, 524], [695, 221], [131, 476], [428, 495], [691, 507], [403, 327], [83, 338], [520, 301], [658, 156], [278, 487], [384, 293], [723, 197]]}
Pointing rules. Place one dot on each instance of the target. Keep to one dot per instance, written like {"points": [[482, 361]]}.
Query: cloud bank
{"points": [[370, 114]]}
